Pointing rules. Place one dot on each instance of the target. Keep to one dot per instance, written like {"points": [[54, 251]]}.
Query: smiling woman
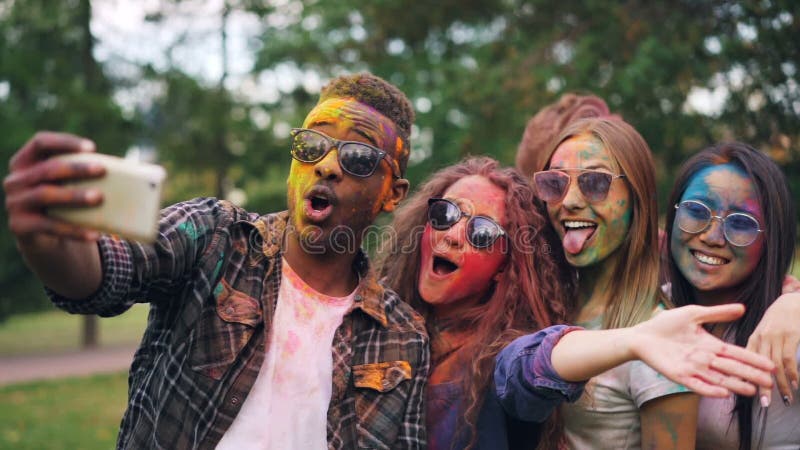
{"points": [[732, 234], [599, 185]]}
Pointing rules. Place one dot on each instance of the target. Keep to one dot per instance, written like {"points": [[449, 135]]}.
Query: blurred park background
{"points": [[210, 89]]}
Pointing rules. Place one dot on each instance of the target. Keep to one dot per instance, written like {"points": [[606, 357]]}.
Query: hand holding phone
{"points": [[59, 175], [131, 197], [35, 183]]}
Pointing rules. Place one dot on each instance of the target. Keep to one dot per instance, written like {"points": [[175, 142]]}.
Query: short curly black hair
{"points": [[377, 93]]}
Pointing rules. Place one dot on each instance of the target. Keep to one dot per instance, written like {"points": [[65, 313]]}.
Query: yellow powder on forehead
{"points": [[330, 108]]}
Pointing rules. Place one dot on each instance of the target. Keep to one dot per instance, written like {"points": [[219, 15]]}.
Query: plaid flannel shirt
{"points": [[212, 280]]}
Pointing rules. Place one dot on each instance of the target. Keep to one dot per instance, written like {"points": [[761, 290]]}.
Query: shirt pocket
{"points": [[381, 395], [224, 330]]}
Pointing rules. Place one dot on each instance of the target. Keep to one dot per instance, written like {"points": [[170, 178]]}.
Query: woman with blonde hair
{"points": [[599, 186]]}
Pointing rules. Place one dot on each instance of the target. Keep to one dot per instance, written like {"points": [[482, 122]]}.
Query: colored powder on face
{"points": [[725, 189], [613, 215], [348, 113]]}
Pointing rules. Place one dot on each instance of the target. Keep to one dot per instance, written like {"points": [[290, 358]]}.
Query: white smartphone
{"points": [[131, 198]]}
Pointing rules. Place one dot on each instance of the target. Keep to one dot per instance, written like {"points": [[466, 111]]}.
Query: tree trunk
{"points": [[89, 333]]}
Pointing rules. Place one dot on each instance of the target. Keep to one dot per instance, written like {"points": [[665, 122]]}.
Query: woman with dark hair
{"points": [[732, 235], [475, 255]]}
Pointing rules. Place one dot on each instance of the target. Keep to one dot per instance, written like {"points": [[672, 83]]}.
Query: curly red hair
{"points": [[532, 292]]}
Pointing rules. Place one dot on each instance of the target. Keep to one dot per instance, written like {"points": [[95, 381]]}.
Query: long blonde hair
{"points": [[633, 292]]}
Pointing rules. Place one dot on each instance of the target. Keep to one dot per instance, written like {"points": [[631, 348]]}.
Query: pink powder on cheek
{"points": [[476, 272]]}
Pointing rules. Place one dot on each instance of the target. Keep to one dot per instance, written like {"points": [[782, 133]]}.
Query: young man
{"points": [[264, 331]]}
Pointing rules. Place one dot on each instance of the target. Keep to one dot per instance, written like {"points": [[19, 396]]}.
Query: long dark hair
{"points": [[534, 291], [764, 284]]}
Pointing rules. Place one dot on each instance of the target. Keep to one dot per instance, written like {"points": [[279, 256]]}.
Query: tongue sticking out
{"points": [[575, 239]]}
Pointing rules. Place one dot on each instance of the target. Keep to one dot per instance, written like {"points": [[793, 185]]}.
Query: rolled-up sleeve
{"points": [[527, 385], [116, 260]]}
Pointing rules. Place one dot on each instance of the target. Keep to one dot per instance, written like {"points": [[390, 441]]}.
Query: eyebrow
{"points": [[367, 137], [361, 133], [598, 166], [593, 166]]}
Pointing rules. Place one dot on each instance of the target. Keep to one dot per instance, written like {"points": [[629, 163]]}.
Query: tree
{"points": [[49, 79], [477, 70]]}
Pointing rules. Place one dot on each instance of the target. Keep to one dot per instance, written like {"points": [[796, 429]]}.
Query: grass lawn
{"points": [[72, 413], [56, 331]]}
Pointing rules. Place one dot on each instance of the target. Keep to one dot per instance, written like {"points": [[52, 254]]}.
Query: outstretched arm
{"points": [[675, 344]]}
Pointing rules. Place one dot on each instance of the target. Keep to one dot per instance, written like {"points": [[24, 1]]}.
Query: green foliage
{"points": [[87, 417], [52, 82], [486, 67], [475, 70]]}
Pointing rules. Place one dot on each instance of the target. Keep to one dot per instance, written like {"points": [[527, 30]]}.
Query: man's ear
{"points": [[395, 195]]}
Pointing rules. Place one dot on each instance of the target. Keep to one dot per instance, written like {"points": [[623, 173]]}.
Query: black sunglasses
{"points": [[356, 158], [552, 185], [481, 231]]}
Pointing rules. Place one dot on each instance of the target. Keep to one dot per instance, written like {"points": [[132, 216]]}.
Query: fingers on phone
{"points": [[48, 196], [30, 224], [52, 171], [47, 143]]}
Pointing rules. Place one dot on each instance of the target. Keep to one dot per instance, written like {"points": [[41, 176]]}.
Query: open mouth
{"points": [[576, 234], [319, 203], [442, 266], [708, 259]]}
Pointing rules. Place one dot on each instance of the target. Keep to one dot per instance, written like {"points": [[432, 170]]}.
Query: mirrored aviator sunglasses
{"points": [[739, 229], [552, 185], [356, 158], [481, 231]]}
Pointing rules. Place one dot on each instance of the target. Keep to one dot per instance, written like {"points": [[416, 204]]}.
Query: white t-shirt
{"points": [[718, 429], [287, 408], [607, 414]]}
